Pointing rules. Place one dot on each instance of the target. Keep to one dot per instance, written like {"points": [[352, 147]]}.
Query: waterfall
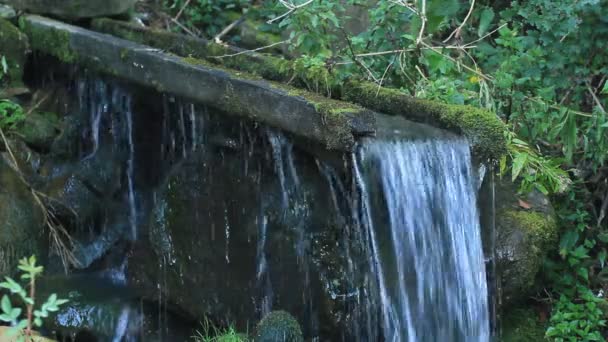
{"points": [[418, 207]]}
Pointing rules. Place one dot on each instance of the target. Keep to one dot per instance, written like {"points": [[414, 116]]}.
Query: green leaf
{"points": [[605, 88], [518, 165], [4, 65], [602, 257], [485, 19], [583, 273], [6, 305]]}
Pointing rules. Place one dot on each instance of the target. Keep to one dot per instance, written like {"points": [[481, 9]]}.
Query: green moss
{"points": [[541, 228], [538, 233], [14, 47], [483, 129], [278, 326], [522, 325], [52, 41]]}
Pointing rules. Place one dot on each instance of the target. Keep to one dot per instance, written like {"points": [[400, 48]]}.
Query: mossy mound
{"points": [[278, 326], [14, 47], [524, 235], [53, 41]]}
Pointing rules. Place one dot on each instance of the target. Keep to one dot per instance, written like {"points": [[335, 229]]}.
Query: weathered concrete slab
{"points": [[484, 129], [333, 123]]}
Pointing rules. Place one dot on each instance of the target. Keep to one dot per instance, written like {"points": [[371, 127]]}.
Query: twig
{"points": [[423, 20], [384, 75], [34, 107], [455, 61], [485, 36], [459, 28], [380, 53], [254, 50], [181, 10], [597, 101], [239, 21], [57, 230], [291, 8], [183, 27]]}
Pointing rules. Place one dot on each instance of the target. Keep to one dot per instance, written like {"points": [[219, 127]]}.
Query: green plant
{"points": [[4, 66], [577, 321], [11, 114], [23, 327], [211, 333]]}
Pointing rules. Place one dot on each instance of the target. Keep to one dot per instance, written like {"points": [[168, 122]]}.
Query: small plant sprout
{"points": [[22, 327]]}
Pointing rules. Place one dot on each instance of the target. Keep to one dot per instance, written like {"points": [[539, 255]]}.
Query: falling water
{"points": [[130, 170], [418, 205]]}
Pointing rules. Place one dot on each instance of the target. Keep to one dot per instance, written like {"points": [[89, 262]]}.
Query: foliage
{"points": [[211, 333], [577, 321], [11, 114], [208, 16], [34, 317]]}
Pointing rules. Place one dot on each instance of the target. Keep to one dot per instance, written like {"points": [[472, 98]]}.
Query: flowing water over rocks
{"points": [[192, 214], [419, 206]]}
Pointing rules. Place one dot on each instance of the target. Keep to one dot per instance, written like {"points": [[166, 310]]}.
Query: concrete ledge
{"points": [[484, 129], [333, 123]]}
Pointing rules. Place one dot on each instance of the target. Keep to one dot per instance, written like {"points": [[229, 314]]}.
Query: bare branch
{"points": [[181, 10], [254, 50], [291, 8], [456, 32], [423, 20], [239, 21]]}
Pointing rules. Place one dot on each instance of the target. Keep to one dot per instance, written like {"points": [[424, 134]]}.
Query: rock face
{"points": [[73, 9], [525, 230], [22, 221], [14, 48]]}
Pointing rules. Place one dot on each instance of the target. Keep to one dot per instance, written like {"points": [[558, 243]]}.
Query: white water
{"points": [[418, 205], [130, 170]]}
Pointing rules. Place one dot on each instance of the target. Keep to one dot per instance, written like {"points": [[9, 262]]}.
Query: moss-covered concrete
{"points": [[53, 41], [332, 123], [522, 325], [14, 47], [484, 129]]}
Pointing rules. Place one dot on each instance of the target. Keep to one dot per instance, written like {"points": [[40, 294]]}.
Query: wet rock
{"points": [[22, 221], [73, 9], [278, 326], [14, 47], [39, 130], [70, 197], [526, 230]]}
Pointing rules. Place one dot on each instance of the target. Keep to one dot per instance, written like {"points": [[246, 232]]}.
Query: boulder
{"points": [[526, 230], [73, 9], [22, 221], [14, 48], [7, 12], [278, 326], [39, 130]]}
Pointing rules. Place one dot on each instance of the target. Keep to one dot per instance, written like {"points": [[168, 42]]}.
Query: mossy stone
{"points": [[524, 235], [278, 326], [14, 47], [22, 221], [39, 130]]}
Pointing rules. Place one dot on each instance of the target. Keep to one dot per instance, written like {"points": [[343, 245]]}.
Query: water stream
{"points": [[419, 207], [201, 215]]}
